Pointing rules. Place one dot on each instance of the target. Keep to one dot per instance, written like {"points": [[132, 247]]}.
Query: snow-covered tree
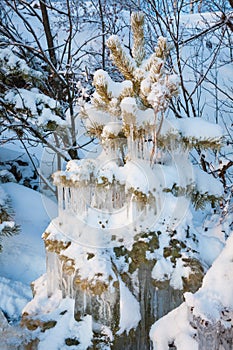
{"points": [[126, 244]]}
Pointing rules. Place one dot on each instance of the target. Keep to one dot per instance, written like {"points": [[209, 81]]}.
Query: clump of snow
{"points": [[174, 328], [129, 105], [114, 89], [61, 310], [157, 96], [67, 328], [141, 117], [110, 171], [199, 128], [192, 128], [41, 303], [6, 222], [164, 270], [216, 292], [111, 129], [207, 184], [95, 118], [5, 176], [99, 265], [136, 177], [77, 170], [10, 61], [129, 310], [41, 107]]}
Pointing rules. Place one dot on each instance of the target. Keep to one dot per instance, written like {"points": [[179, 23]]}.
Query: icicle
{"points": [[131, 143], [146, 149], [73, 200], [67, 199], [84, 200], [69, 289], [132, 212], [53, 273], [109, 194], [60, 195], [84, 302]]}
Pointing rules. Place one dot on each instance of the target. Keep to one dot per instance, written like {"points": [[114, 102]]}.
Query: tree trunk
{"points": [[48, 33]]}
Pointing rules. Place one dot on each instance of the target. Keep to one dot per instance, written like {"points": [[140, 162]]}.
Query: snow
{"points": [[10, 61], [199, 129], [129, 105], [41, 303], [95, 117], [67, 327], [41, 107], [156, 96], [32, 212], [61, 310], [164, 270], [173, 327], [209, 303], [6, 224], [216, 292], [137, 175], [28, 251], [111, 129], [3, 196], [142, 117], [114, 89], [77, 171], [196, 128], [129, 310], [14, 295], [205, 242], [207, 184]]}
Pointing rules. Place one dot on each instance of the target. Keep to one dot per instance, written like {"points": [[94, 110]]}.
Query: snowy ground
{"points": [[23, 258]]}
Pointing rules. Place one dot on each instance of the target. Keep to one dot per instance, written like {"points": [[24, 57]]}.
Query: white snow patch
{"points": [[129, 310], [14, 296], [216, 292], [32, 213], [174, 327]]}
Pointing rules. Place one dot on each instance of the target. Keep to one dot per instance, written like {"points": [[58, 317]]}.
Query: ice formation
{"points": [[122, 230]]}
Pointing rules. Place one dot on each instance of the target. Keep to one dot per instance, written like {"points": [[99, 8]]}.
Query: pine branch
{"points": [[121, 59], [138, 51]]}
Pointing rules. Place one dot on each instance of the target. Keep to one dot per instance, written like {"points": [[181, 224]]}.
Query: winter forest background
{"points": [[49, 53]]}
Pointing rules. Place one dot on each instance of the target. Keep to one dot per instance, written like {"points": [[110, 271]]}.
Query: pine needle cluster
{"points": [[7, 225]]}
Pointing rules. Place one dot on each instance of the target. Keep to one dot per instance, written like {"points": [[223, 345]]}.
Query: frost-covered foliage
{"points": [[23, 102]]}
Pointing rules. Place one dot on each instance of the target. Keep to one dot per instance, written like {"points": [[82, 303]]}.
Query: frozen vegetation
{"points": [[137, 255]]}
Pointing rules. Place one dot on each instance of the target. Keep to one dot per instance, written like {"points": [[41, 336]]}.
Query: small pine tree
{"points": [[125, 225], [7, 226]]}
